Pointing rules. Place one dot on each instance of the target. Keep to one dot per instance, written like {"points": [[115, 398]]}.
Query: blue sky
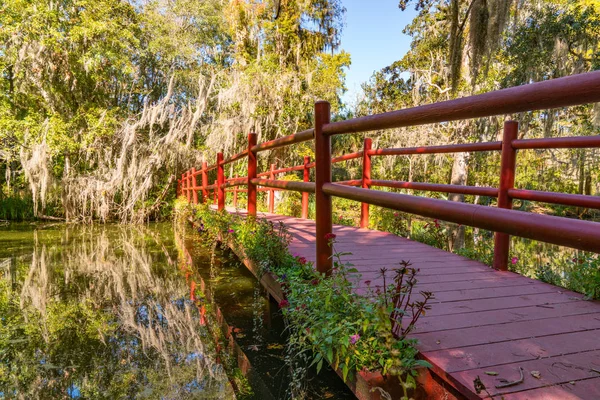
{"points": [[373, 37]]}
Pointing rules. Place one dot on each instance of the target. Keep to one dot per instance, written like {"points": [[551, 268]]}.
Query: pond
{"points": [[116, 311]]}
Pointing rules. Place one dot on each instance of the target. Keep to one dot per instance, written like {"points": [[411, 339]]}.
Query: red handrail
{"points": [[451, 148], [569, 91], [578, 234], [554, 93]]}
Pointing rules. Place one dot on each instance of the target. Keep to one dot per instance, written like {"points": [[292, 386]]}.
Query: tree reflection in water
{"points": [[101, 312]]}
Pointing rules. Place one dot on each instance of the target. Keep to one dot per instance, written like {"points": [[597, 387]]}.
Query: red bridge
{"points": [[483, 319]]}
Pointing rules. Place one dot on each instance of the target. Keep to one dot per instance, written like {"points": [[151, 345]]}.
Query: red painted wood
{"points": [[322, 199], [554, 93], [220, 181], [434, 187], [306, 178], [577, 200], [194, 187], [251, 174], [235, 194], [579, 234], [284, 141], [215, 191], [188, 184], [558, 143], [366, 182], [449, 148], [507, 182], [272, 191], [204, 182], [481, 319]]}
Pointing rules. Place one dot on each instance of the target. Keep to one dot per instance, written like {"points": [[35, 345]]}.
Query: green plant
{"points": [[328, 320], [582, 274]]}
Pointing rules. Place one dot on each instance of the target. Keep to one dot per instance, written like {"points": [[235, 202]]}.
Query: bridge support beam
{"points": [[194, 188], [272, 191], [323, 176], [187, 185], [251, 207], [220, 182], [507, 181], [204, 182], [366, 182], [306, 177]]}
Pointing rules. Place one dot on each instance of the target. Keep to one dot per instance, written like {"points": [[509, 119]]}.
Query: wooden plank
{"points": [[492, 354], [481, 319], [553, 370], [581, 389], [580, 320]]}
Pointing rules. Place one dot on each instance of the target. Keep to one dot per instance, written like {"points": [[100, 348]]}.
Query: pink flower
{"points": [[315, 282], [514, 260], [354, 338], [302, 260], [284, 303], [330, 236], [231, 231], [396, 214], [368, 283], [437, 224]]}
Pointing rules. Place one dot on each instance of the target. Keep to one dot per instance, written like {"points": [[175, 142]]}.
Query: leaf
{"points": [[319, 365], [344, 372], [491, 373], [536, 374]]}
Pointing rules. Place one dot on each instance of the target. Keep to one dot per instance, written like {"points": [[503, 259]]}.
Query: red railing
{"points": [[562, 92]]}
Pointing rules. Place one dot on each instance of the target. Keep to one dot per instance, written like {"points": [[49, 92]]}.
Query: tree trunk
{"points": [[459, 177]]}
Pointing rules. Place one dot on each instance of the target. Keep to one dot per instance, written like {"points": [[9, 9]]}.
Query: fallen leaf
{"points": [[437, 342], [491, 373], [572, 382], [536, 374]]}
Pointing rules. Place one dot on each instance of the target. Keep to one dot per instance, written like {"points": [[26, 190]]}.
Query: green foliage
{"points": [[16, 208], [327, 317]]}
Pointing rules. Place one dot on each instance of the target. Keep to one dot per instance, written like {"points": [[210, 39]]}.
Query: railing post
{"points": [[322, 176], [194, 188], [507, 181], [305, 194], [215, 191], [251, 175], [221, 181], [235, 193], [366, 182], [188, 192], [272, 191], [204, 181]]}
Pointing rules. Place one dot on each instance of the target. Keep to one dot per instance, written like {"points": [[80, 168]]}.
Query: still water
{"points": [[130, 312]]}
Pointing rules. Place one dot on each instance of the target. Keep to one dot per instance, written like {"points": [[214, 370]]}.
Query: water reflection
{"points": [[102, 312]]}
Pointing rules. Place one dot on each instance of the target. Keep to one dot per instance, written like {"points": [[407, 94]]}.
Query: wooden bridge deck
{"points": [[481, 320]]}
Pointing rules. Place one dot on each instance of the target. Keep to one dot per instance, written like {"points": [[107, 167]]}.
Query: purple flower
{"points": [[354, 338], [231, 230], [514, 260]]}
